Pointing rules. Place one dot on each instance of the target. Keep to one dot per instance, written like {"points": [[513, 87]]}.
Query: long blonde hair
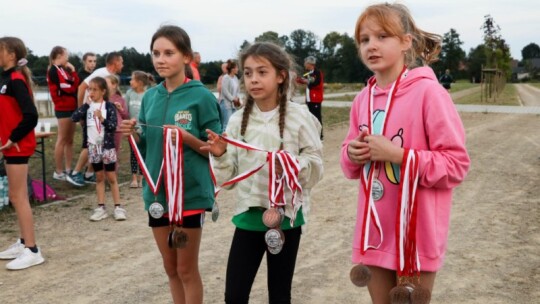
{"points": [[396, 20]]}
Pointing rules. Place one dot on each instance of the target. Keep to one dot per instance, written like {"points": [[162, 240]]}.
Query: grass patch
{"points": [[346, 97], [508, 97], [534, 84], [335, 115], [463, 85], [342, 87]]}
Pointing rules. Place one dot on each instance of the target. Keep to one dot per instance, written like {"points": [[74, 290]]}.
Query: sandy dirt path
{"points": [[493, 245]]}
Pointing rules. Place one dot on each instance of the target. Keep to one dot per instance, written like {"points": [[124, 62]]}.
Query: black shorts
{"points": [[192, 221], [16, 160], [100, 166], [63, 114]]}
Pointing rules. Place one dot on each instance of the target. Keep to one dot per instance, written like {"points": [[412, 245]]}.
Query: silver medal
{"points": [[215, 212], [273, 238], [156, 210], [275, 250], [377, 189], [99, 140]]}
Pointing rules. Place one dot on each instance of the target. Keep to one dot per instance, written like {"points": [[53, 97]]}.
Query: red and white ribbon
{"points": [[154, 185], [172, 167], [370, 211], [408, 260], [276, 184], [174, 174]]}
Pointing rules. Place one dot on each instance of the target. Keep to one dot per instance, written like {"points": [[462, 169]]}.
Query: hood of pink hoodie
{"points": [[410, 80]]}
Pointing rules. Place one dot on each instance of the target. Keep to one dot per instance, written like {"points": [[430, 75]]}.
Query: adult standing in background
{"points": [[446, 80], [89, 64], [63, 83], [113, 65], [229, 93], [194, 64], [314, 81], [220, 79]]}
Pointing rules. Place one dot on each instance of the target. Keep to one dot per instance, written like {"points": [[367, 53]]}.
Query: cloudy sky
{"points": [[218, 27]]}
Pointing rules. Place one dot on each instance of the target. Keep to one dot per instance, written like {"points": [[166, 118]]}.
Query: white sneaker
{"points": [[99, 214], [119, 214], [13, 251], [25, 260], [60, 177]]}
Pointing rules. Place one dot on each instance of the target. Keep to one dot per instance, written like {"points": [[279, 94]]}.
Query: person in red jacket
{"points": [[63, 83], [314, 81], [18, 119]]}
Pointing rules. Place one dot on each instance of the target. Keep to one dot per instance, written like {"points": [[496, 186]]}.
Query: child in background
{"points": [[139, 83], [270, 122], [113, 85], [101, 119], [405, 137], [18, 117], [187, 106]]}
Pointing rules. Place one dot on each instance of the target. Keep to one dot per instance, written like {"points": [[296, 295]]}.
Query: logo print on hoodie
{"points": [[183, 119]]}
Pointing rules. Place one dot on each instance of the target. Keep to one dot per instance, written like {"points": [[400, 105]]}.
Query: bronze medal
{"points": [[272, 218], [179, 238], [156, 210], [377, 189], [215, 212]]}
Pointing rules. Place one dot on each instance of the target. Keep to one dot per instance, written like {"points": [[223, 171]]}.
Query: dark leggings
{"points": [[134, 165], [315, 108], [247, 250]]}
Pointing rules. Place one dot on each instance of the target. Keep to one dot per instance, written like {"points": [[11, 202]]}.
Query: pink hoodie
{"points": [[423, 118]]}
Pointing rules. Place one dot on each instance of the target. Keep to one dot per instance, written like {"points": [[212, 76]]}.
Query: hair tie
{"points": [[22, 62]]}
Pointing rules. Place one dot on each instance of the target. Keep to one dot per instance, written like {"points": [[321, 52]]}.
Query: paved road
{"points": [[529, 95]]}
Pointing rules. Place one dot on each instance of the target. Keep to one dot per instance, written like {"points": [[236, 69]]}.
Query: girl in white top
{"points": [[270, 122]]}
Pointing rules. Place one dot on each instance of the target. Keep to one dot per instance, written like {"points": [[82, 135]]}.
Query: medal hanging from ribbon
{"points": [[274, 215], [99, 128], [408, 261], [172, 167], [372, 186], [276, 184], [368, 178]]}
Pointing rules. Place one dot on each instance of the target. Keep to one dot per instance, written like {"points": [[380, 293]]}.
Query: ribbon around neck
{"points": [[276, 184], [172, 168]]}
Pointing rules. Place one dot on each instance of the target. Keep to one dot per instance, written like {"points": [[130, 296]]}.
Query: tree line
{"points": [[337, 56]]}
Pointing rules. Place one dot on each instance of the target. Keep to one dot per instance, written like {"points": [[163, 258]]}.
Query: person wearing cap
{"points": [[314, 81]]}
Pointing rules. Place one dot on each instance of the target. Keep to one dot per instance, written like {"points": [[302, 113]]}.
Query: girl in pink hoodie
{"points": [[406, 144]]}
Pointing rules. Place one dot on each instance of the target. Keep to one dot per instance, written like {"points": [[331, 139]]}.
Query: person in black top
{"points": [[89, 64], [446, 80]]}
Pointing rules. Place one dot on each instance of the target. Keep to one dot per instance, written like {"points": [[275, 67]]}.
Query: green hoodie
{"points": [[193, 108]]}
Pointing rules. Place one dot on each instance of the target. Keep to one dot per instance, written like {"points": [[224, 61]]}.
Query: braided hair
{"points": [[281, 62]]}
